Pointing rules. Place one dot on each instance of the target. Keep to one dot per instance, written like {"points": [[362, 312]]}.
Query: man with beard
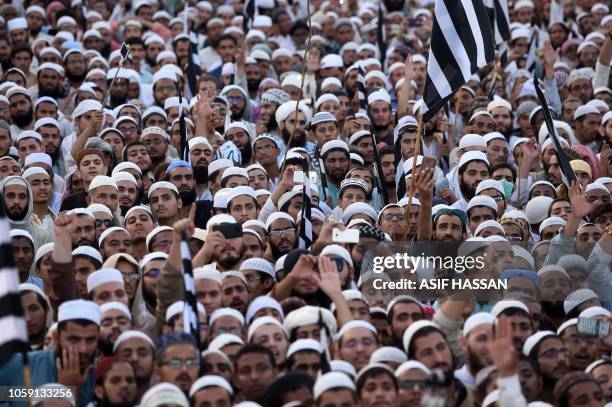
{"points": [[227, 252], [239, 103], [50, 131], [49, 79], [115, 383], [477, 335], [425, 342], [18, 202], [154, 44], [361, 142], [240, 134], [473, 168], [236, 291], [336, 162], [582, 349], [85, 231], [268, 104], [254, 75], [76, 338], [22, 112], [200, 155], [177, 360], [87, 115], [165, 203], [36, 16], [36, 306], [76, 67], [292, 127], [119, 91], [181, 175], [115, 318], [144, 314], [156, 140], [138, 349], [402, 311], [501, 110], [164, 86], [22, 247], [127, 189], [387, 162], [549, 353], [555, 285], [379, 103], [282, 234]]}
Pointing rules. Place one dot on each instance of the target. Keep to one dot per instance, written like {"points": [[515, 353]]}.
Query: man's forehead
{"points": [[15, 188]]}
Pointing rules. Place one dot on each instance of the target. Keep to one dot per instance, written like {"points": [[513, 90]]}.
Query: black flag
{"points": [[191, 324], [325, 357], [382, 45]]}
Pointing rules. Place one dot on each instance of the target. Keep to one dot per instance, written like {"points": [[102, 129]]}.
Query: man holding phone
{"points": [[223, 244]]}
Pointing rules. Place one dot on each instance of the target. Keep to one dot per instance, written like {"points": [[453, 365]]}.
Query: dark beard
{"points": [[150, 61], [105, 347], [20, 216], [379, 127], [247, 153], [473, 362], [200, 174], [55, 93], [466, 191], [106, 50], [23, 120], [188, 197], [299, 139], [74, 78], [230, 263], [276, 253], [272, 124], [238, 116], [253, 85], [105, 402], [335, 179], [553, 309], [149, 297], [117, 101]]}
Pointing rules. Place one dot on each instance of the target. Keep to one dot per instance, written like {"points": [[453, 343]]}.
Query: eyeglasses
{"points": [[588, 340], [281, 232], [252, 278], [352, 343], [498, 198], [177, 363], [131, 277], [106, 222], [553, 353], [233, 331], [411, 384], [153, 273], [389, 216]]}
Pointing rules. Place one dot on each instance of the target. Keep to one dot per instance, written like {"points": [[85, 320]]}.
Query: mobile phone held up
{"points": [[229, 230]]}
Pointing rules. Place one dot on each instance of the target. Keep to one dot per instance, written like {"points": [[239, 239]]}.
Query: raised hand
{"points": [[424, 183], [69, 370], [185, 225], [502, 349], [580, 206], [549, 55], [64, 224]]}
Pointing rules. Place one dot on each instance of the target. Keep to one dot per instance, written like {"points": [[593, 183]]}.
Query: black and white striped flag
{"points": [[361, 89], [461, 43], [13, 332], [567, 173], [250, 11], [498, 10], [306, 220], [380, 35], [191, 324]]}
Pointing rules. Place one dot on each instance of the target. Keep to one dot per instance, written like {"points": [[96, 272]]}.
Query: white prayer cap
{"points": [[358, 208], [308, 315], [226, 312], [332, 61], [330, 381], [103, 276], [331, 81], [149, 257], [163, 394], [42, 158], [162, 185], [86, 106], [79, 309], [258, 264], [208, 272], [488, 224], [108, 231], [155, 232], [499, 102], [45, 121], [337, 250], [66, 20], [523, 3], [116, 305], [28, 134], [388, 354], [482, 200], [210, 381], [95, 207], [326, 97], [567, 324], [489, 184], [223, 340], [219, 164], [357, 323], [51, 66], [126, 335], [263, 302], [472, 140], [379, 95], [535, 339], [24, 287], [596, 186], [584, 110], [304, 344], [595, 311], [262, 21], [284, 110], [35, 9], [294, 80], [413, 329], [178, 307], [218, 219], [409, 365], [197, 141], [124, 176], [261, 321], [552, 221], [43, 250], [234, 171], [504, 305], [334, 145], [536, 209], [100, 181], [473, 156], [276, 216], [479, 318], [87, 251], [589, 369], [18, 23], [34, 171], [575, 298]]}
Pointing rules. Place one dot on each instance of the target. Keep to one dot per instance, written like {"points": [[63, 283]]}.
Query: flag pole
{"points": [[27, 376], [121, 61], [417, 151], [456, 114]]}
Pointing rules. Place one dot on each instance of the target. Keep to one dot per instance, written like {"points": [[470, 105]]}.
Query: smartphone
{"points": [[593, 327], [345, 236], [314, 177], [415, 22], [229, 230], [428, 162], [298, 177]]}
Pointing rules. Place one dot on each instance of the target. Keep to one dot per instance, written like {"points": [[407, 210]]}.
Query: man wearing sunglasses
{"points": [[178, 360]]}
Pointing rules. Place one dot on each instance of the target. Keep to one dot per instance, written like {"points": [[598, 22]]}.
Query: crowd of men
{"points": [[211, 129]]}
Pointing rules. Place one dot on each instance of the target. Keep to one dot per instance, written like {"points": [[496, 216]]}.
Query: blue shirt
{"points": [[43, 370]]}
